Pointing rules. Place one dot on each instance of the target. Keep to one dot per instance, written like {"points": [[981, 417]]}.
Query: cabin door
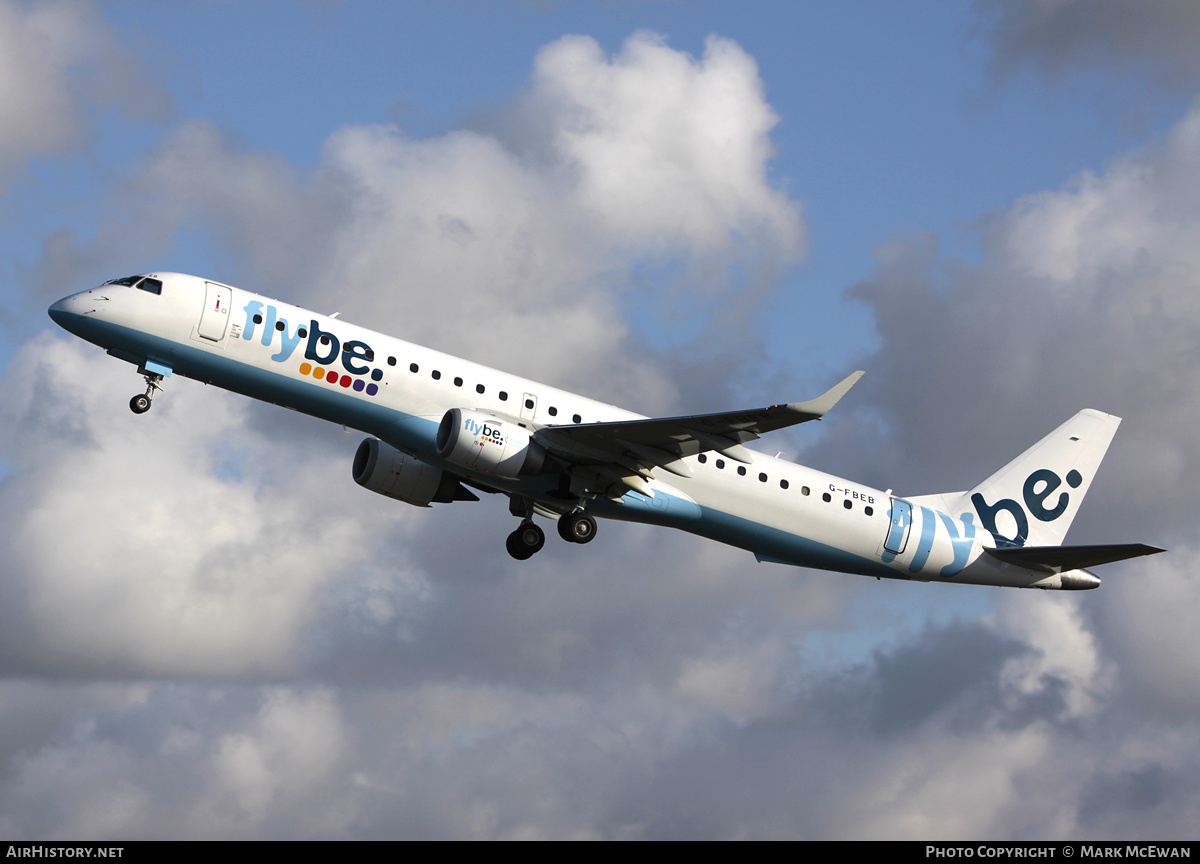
{"points": [[898, 530], [215, 317]]}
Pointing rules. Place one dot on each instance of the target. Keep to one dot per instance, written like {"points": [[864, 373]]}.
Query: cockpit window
{"points": [[145, 283]]}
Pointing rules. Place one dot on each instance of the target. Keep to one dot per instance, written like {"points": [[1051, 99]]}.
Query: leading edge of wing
{"points": [[663, 441]]}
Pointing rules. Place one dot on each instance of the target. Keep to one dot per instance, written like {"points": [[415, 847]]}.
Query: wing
{"points": [[625, 452]]}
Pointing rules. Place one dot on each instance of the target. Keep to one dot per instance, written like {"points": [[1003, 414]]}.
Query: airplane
{"points": [[442, 429]]}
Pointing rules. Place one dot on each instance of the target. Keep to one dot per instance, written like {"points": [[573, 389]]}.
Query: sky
{"points": [[207, 630]]}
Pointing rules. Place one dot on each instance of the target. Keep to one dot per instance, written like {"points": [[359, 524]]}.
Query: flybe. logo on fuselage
{"points": [[1039, 486], [323, 349]]}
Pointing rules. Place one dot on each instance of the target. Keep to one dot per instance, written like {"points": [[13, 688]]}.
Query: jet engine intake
{"points": [[382, 468]]}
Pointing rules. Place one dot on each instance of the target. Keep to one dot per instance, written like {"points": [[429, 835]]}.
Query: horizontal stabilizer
{"points": [[1055, 559]]}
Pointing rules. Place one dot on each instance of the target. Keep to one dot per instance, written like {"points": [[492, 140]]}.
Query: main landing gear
{"points": [[528, 539], [576, 527], [140, 403], [525, 541]]}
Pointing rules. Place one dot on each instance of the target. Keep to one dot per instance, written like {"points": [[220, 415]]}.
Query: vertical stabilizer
{"points": [[1032, 500]]}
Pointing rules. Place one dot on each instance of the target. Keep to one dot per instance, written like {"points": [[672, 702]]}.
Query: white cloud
{"points": [[665, 148], [188, 545], [58, 63]]}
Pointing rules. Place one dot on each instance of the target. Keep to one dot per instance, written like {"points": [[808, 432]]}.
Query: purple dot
{"points": [[372, 389], [359, 385]]}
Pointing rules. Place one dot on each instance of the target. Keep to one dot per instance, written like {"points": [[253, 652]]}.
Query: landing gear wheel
{"points": [[577, 527], [525, 541], [140, 404]]}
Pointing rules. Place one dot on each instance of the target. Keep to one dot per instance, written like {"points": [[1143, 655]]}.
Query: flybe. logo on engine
{"points": [[322, 350], [490, 434], [1039, 487]]}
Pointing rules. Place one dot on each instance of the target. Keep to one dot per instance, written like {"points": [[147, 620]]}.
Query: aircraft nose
{"points": [[67, 310], [62, 310]]}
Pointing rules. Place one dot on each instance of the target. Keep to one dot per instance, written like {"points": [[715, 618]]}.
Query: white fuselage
{"points": [[399, 392]]}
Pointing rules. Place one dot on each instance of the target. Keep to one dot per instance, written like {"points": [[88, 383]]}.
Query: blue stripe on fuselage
{"points": [[328, 402], [773, 544]]}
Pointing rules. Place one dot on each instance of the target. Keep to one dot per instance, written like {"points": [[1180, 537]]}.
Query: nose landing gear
{"points": [[140, 403]]}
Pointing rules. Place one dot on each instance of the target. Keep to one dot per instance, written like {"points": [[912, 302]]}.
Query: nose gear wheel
{"points": [[140, 403]]}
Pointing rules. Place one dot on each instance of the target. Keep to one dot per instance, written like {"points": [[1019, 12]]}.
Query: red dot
{"points": [[331, 377], [347, 380]]}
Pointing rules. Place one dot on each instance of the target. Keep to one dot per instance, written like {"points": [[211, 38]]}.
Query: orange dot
{"points": [[305, 368]]}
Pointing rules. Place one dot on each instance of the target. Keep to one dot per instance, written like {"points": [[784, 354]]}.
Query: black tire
{"points": [[526, 541], [531, 537], [514, 547], [581, 527], [139, 404], [564, 527]]}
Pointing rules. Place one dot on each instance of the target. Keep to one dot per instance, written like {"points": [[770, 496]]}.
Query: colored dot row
{"points": [[332, 377]]}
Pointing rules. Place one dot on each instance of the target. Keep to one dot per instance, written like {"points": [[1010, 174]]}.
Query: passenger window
{"points": [[576, 419], [720, 463], [742, 470], [783, 484], [702, 458], [457, 382], [870, 511], [503, 396], [479, 388], [762, 477], [847, 504], [436, 374], [412, 367], [553, 412], [826, 498]]}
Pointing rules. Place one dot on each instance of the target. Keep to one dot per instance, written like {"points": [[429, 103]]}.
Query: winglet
{"points": [[817, 408]]}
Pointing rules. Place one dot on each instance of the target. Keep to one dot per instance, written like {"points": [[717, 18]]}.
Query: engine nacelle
{"points": [[488, 444], [382, 468]]}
